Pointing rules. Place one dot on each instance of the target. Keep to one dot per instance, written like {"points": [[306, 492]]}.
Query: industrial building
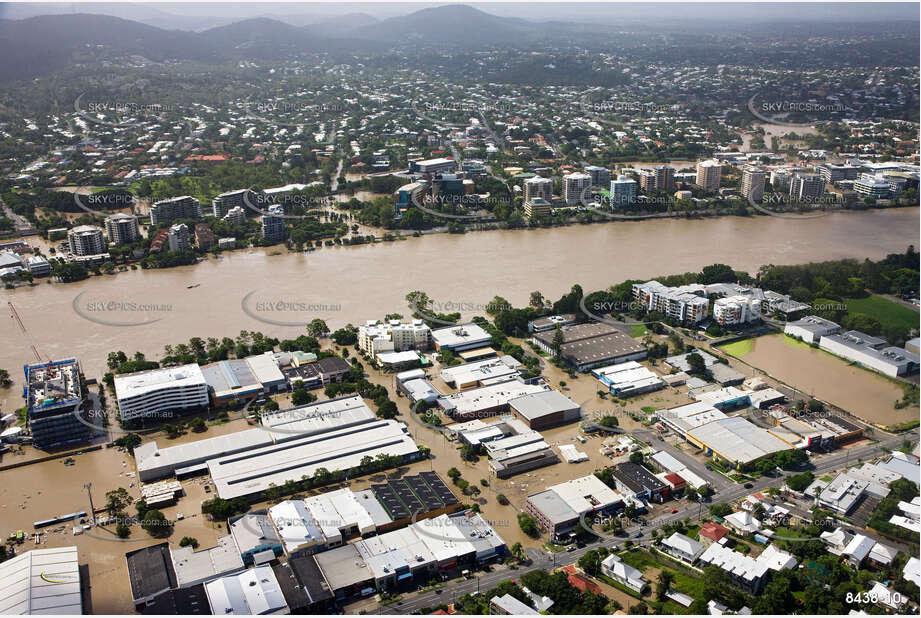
{"points": [[559, 508], [586, 346], [550, 322], [54, 392], [628, 379], [252, 592], [737, 441], [635, 481], [250, 473], [197, 566], [405, 558], [811, 328], [519, 453], [488, 400], [480, 373], [41, 581], [150, 572], [546, 409], [313, 424], [160, 391], [871, 352]]}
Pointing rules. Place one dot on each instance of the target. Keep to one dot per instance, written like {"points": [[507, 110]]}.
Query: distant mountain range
{"points": [[36, 45]]}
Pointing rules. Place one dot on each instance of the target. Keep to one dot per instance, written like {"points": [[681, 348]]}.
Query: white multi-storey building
{"points": [[736, 310], [122, 229], [394, 336], [708, 175], [273, 224], [753, 183], [538, 187], [687, 303], [179, 238], [151, 393], [623, 191], [575, 188], [86, 240], [235, 215]]}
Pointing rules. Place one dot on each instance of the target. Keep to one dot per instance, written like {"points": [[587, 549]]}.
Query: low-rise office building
{"points": [[460, 337], [635, 481], [560, 508], [159, 391]]}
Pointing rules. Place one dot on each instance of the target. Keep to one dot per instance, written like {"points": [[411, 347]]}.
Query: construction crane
{"points": [[15, 315]]}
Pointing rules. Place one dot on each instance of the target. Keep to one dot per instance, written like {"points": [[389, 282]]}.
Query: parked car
{"points": [[674, 510], [748, 485], [637, 535]]}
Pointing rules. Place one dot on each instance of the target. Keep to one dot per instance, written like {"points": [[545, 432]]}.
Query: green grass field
{"points": [[887, 312], [738, 348], [638, 330]]}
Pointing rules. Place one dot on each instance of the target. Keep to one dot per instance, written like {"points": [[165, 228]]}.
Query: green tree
{"points": [[528, 525], [5, 380], [156, 524], [317, 328], [117, 500]]}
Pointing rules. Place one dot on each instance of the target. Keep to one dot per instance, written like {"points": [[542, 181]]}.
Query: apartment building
{"points": [[394, 336], [122, 229], [223, 203], [708, 175], [687, 304], [575, 188], [167, 211], [86, 240], [236, 215], [537, 207], [273, 224], [806, 187], [601, 176], [538, 187], [179, 238], [753, 183], [833, 173], [736, 310], [623, 192]]}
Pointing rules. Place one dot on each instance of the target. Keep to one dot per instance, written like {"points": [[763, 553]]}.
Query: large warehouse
{"points": [[737, 441], [545, 409], [335, 434], [586, 346]]}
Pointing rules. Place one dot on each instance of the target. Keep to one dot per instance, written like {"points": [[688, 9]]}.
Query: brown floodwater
{"points": [[861, 392], [352, 284]]}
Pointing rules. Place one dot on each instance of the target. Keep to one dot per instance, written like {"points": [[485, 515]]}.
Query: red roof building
{"points": [[712, 532]]}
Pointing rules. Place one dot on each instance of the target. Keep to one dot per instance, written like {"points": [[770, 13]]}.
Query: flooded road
{"points": [[351, 284]]}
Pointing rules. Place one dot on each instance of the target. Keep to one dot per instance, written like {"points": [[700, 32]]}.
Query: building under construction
{"points": [[54, 391]]}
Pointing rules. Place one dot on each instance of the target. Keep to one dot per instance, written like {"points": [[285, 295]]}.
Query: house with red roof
{"points": [[711, 532]]}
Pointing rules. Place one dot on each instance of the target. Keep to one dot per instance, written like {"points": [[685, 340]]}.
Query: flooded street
{"points": [[351, 284], [863, 393]]}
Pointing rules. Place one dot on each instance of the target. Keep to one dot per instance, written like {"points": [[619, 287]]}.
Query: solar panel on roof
{"points": [[428, 497]]}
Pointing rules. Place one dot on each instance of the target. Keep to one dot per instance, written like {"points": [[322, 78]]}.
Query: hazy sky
{"points": [[182, 15]]}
